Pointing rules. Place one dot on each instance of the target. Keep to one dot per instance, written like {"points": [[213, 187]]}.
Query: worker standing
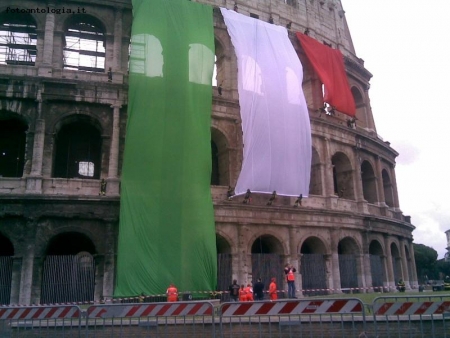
{"points": [[273, 290], [172, 293]]}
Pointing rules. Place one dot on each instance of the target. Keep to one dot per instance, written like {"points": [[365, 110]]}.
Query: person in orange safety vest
{"points": [[273, 289], [249, 291], [172, 293], [289, 270], [242, 294]]}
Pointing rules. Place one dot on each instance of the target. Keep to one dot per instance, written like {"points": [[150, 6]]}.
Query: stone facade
{"points": [[50, 199]]}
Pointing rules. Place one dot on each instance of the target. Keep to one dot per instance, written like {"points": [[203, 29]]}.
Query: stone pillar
{"points": [[34, 181], [380, 185], [404, 262], [366, 267], [99, 274], [357, 181], [390, 280], [413, 280], [109, 261], [117, 49], [15, 280], [113, 182], [294, 258], [335, 273], [328, 170], [28, 260], [243, 274], [394, 186], [45, 68]]}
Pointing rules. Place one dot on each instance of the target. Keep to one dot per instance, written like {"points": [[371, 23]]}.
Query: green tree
{"points": [[426, 258]]}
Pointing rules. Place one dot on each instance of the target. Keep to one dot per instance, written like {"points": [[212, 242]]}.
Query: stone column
{"points": [[113, 182], [394, 186], [243, 274], [45, 68], [294, 259], [117, 48], [366, 268], [335, 273], [413, 280], [404, 262], [34, 181], [15, 280], [99, 275], [390, 280], [328, 169], [28, 260], [109, 260], [380, 185], [357, 181]]}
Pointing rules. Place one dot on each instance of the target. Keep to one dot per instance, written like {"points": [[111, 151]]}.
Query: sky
{"points": [[404, 44]]}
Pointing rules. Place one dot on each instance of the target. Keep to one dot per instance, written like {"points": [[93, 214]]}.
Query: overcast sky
{"points": [[405, 44]]}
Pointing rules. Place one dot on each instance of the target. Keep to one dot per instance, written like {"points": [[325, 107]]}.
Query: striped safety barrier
{"points": [[151, 310], [40, 312], [309, 307], [411, 308]]}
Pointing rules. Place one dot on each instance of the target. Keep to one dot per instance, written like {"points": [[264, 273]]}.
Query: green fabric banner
{"points": [[167, 230]]}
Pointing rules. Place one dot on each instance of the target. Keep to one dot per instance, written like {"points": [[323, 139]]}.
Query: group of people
{"points": [[250, 293]]}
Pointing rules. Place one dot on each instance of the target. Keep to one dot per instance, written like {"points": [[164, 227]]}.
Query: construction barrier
{"points": [[419, 316], [293, 318], [405, 316], [44, 321], [184, 319]]}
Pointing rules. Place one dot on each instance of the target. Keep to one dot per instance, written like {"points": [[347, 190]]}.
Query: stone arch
{"points": [[342, 176], [19, 31], [377, 266], [315, 184], [78, 155], [68, 271], [396, 262], [84, 43], [349, 267], [13, 138], [388, 188], [220, 174], [313, 266], [360, 107], [267, 259], [369, 182], [224, 262], [6, 264]]}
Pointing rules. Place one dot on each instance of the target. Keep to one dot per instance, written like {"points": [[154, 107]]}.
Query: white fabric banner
{"points": [[275, 120]]}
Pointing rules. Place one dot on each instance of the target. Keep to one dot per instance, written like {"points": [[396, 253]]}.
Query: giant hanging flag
{"points": [[167, 230], [275, 120], [329, 66]]}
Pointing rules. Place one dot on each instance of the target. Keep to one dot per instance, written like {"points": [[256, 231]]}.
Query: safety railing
{"points": [[402, 316], [412, 316], [293, 318], [41, 321]]}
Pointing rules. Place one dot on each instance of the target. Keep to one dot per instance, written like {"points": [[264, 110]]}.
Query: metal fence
{"points": [[294, 318], [6, 263], [420, 316], [68, 278], [417, 316]]}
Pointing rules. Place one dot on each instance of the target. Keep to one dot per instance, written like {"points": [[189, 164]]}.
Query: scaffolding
{"points": [[18, 41], [85, 48]]}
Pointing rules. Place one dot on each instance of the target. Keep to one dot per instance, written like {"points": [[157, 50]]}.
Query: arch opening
{"points": [[12, 147], [313, 267]]}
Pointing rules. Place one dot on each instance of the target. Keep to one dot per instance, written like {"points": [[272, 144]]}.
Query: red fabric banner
{"points": [[329, 66]]}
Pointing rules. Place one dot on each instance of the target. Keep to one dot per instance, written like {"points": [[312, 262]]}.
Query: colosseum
{"points": [[64, 81]]}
